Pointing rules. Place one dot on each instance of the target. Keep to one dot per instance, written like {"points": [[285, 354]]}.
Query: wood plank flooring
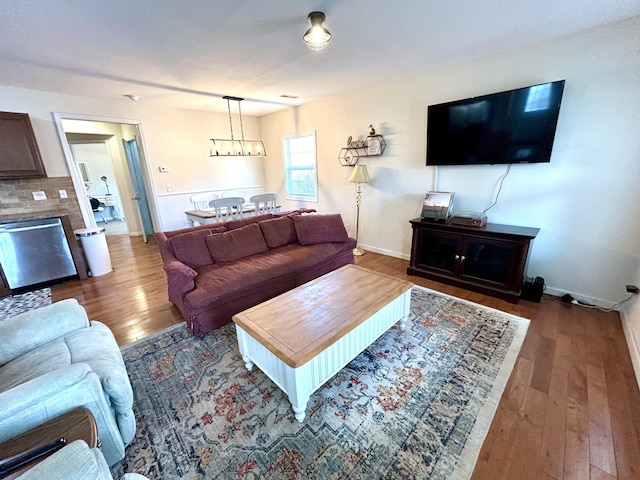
{"points": [[571, 408]]}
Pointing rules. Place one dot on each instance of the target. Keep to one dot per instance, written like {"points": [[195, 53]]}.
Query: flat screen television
{"points": [[516, 126]]}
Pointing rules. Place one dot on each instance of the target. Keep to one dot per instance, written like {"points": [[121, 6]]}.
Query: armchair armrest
{"points": [[76, 460], [31, 329], [35, 392]]}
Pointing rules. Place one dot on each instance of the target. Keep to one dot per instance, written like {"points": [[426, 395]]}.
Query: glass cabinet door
{"points": [[438, 251], [489, 260]]}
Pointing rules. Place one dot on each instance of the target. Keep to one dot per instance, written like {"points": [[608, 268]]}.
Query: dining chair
{"points": [[227, 208], [264, 203], [201, 200]]}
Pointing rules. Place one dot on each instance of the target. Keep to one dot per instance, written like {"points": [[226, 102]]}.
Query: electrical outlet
{"points": [[170, 187], [62, 193], [39, 195], [632, 289]]}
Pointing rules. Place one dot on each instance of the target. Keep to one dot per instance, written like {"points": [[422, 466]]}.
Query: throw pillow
{"points": [[278, 232], [236, 244], [191, 248], [321, 228]]}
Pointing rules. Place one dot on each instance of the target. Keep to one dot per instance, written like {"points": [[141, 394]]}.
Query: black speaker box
{"points": [[532, 289]]}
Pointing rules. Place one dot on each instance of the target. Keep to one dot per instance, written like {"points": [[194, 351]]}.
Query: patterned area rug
{"points": [[15, 304], [416, 404]]}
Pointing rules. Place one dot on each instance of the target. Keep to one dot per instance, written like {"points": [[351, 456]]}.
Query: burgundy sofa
{"points": [[215, 271]]}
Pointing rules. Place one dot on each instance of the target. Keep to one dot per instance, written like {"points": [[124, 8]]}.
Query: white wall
{"points": [[178, 139], [585, 201]]}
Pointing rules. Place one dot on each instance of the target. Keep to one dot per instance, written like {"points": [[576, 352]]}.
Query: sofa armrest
{"points": [[29, 330], [180, 277]]}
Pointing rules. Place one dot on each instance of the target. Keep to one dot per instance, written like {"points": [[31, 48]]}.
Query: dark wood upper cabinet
{"points": [[19, 153]]}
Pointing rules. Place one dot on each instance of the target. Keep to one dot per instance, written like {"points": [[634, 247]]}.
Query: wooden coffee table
{"points": [[77, 424], [303, 337]]}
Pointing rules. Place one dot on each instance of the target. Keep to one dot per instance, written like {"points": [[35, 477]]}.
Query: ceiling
{"points": [[188, 54]]}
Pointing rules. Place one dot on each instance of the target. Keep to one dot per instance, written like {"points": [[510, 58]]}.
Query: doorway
{"points": [[93, 157], [116, 181]]}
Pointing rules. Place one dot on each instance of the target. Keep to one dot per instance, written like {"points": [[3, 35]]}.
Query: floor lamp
{"points": [[360, 177]]}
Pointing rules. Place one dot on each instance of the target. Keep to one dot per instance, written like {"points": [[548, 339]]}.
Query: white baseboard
{"points": [[382, 251], [598, 302], [632, 344]]}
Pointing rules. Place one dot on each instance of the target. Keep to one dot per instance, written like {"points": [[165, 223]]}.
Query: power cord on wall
{"points": [[500, 182]]}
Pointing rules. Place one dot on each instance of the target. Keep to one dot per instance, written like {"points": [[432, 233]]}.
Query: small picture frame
{"points": [[437, 206]]}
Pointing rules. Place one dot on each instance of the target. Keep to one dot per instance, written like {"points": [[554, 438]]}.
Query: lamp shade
{"points": [[360, 175]]}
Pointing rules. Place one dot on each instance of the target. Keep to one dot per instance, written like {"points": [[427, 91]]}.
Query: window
{"points": [[300, 167]]}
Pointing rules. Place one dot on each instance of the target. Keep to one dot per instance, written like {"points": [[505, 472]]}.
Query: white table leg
{"points": [[406, 299], [242, 346], [247, 362], [300, 390], [299, 406]]}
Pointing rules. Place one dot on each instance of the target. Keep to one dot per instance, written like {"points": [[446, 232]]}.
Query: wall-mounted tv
{"points": [[516, 126]]}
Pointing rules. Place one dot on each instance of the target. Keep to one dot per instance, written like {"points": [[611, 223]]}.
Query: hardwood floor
{"points": [[571, 408]]}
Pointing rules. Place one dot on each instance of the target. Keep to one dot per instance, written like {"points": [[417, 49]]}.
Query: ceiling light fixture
{"points": [[221, 147], [317, 36]]}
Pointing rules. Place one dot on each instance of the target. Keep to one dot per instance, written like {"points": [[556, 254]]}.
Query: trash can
{"points": [[94, 244]]}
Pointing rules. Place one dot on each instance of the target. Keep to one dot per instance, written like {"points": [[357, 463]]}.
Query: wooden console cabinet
{"points": [[490, 260]]}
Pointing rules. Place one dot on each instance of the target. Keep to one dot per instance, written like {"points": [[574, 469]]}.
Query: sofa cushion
{"points": [[313, 229], [235, 244], [225, 282], [278, 232], [190, 247]]}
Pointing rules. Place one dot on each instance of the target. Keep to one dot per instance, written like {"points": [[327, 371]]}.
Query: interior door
{"points": [[137, 177]]}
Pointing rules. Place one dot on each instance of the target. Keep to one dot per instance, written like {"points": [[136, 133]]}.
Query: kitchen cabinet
{"points": [[491, 260], [19, 153]]}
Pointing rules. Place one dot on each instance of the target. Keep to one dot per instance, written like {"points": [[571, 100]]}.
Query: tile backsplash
{"points": [[17, 202]]}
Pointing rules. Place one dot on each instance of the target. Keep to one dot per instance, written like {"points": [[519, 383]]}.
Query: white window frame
{"points": [[288, 169]]}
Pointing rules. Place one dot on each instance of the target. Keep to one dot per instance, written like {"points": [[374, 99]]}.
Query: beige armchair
{"points": [[52, 360]]}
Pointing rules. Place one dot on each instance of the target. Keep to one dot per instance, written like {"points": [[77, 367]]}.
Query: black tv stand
{"points": [[491, 260]]}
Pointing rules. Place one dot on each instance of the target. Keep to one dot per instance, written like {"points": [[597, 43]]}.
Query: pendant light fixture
{"points": [[317, 36], [222, 147]]}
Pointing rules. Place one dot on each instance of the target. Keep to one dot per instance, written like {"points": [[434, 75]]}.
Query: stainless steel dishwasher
{"points": [[35, 251]]}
